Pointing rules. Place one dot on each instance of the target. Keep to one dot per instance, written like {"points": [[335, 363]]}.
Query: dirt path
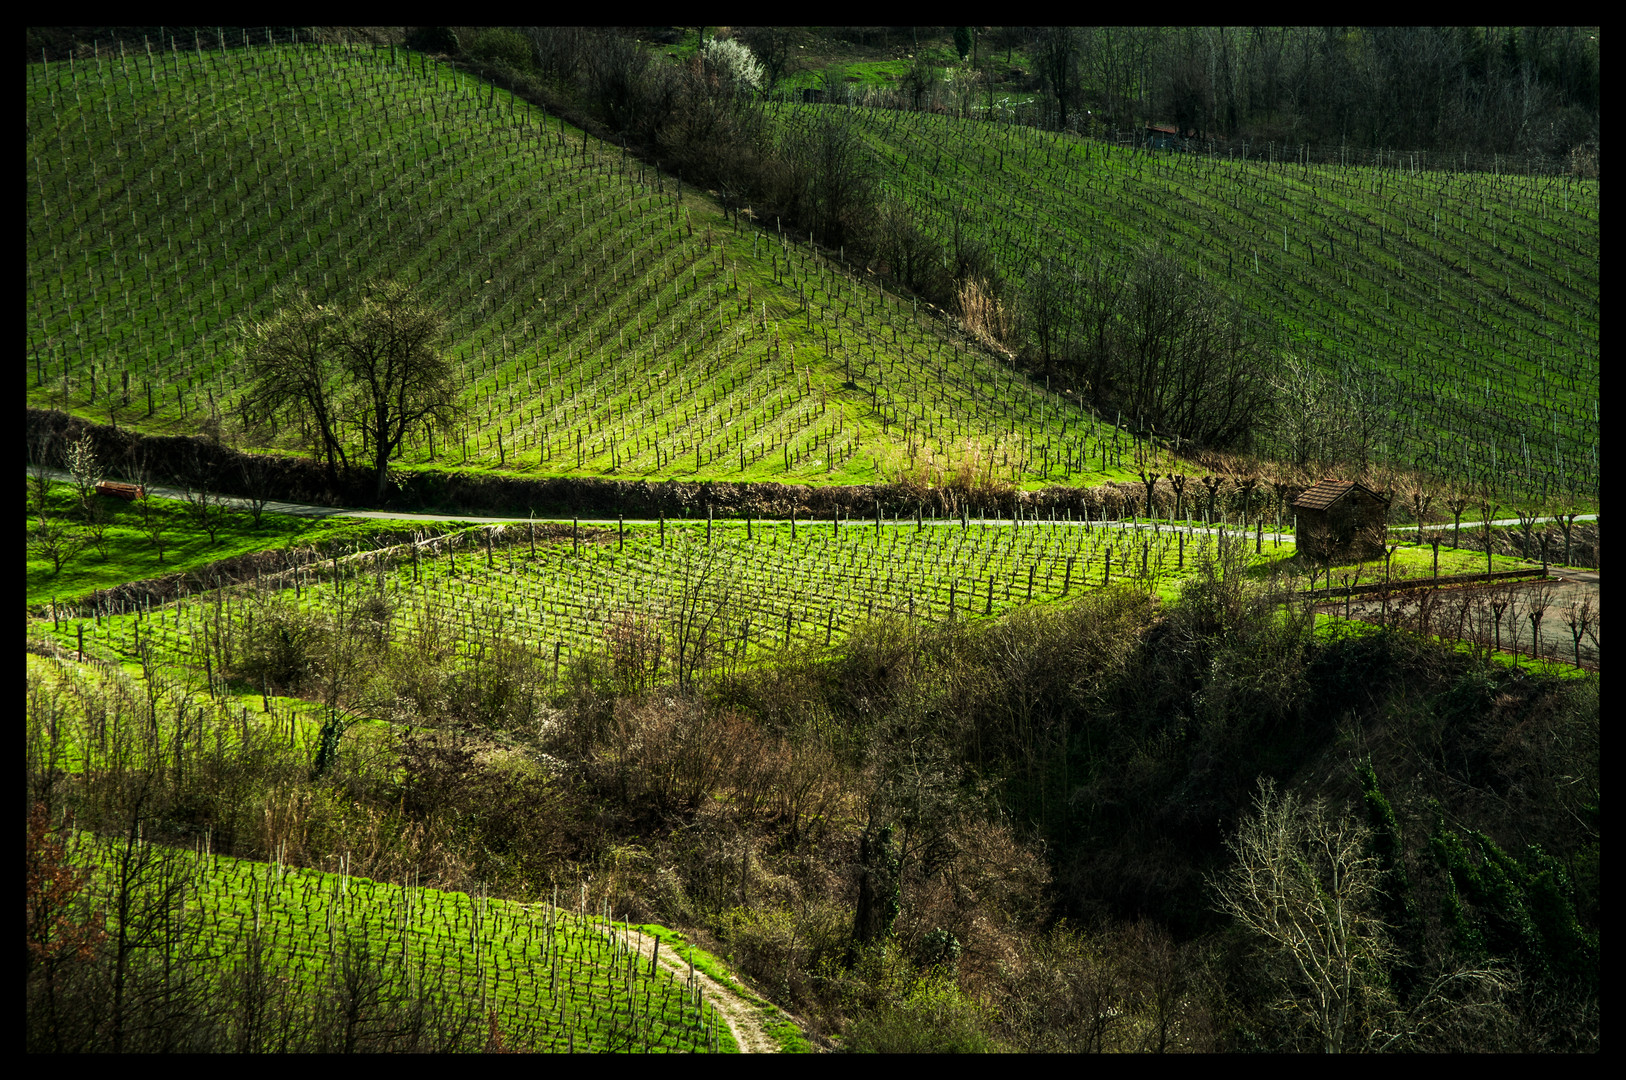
{"points": [[1558, 593], [744, 1019]]}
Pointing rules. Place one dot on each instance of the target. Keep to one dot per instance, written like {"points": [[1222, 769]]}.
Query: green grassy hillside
{"points": [[126, 551], [1470, 302], [607, 319]]}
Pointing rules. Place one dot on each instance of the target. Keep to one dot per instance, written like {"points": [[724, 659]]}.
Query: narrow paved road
{"points": [[164, 491], [308, 510]]}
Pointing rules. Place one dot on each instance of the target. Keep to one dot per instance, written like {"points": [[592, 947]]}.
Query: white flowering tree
{"points": [[733, 60]]}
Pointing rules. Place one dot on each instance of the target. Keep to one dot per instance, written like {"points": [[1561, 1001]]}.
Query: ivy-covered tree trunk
{"points": [[878, 887], [1396, 903], [327, 751]]}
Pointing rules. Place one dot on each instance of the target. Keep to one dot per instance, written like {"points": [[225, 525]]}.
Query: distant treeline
{"points": [[1510, 90]]}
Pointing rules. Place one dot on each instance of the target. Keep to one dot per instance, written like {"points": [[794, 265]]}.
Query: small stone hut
{"points": [[1341, 519]]}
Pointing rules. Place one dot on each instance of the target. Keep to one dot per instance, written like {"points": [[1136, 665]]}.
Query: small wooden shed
{"points": [[115, 490], [1163, 137], [1341, 519]]}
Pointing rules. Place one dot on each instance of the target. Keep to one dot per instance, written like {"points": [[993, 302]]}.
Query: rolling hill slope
{"points": [[608, 320], [1468, 302]]}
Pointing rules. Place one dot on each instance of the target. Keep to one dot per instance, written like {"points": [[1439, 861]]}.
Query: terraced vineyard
{"points": [[720, 594], [552, 979], [744, 591], [606, 320], [1471, 302]]}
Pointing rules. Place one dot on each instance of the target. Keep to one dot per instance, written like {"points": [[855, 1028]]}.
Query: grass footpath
{"points": [[774, 1025]]}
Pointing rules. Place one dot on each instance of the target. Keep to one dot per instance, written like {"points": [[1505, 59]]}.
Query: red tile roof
{"points": [[1327, 492]]}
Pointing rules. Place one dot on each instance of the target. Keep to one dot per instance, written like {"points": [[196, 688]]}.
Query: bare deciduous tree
{"points": [[1582, 621], [1487, 513], [293, 375], [842, 184], [1541, 599], [1186, 359], [617, 76], [913, 258], [157, 530], [1421, 500], [1458, 502], [1305, 883], [558, 51], [698, 621], [1306, 411], [209, 508], [1566, 525], [55, 541], [399, 378], [375, 367], [39, 475], [1056, 57], [1528, 516], [1046, 312], [257, 473], [97, 522]]}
